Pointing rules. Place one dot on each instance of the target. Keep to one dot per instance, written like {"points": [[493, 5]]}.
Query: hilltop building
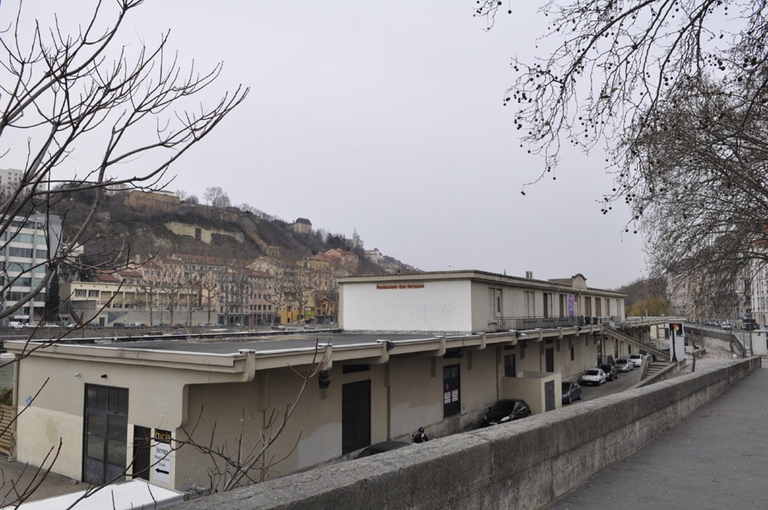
{"points": [[302, 226], [152, 200]]}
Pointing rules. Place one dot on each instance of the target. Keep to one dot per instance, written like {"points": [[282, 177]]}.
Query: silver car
{"points": [[624, 365], [593, 376]]}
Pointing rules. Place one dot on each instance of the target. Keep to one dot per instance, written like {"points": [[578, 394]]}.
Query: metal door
{"points": [[355, 416], [142, 446], [451, 390], [105, 434], [549, 395]]}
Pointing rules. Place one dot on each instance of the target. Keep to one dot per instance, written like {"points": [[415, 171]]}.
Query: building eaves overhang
{"points": [[242, 363]]}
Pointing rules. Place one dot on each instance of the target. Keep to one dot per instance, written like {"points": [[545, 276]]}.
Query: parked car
{"points": [[726, 326], [624, 365], [382, 447], [506, 410], [118, 324], [571, 392], [593, 376], [636, 359], [15, 325]]}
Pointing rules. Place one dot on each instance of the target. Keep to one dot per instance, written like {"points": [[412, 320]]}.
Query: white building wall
{"points": [[407, 306]]}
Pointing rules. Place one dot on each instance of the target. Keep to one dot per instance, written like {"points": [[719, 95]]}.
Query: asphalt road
{"points": [[625, 381]]}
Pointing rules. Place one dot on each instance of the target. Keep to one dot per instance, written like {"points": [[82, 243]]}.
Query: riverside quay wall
{"points": [[519, 465]]}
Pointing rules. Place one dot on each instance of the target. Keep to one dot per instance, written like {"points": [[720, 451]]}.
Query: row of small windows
{"points": [[21, 267], [18, 296], [23, 238], [26, 253]]}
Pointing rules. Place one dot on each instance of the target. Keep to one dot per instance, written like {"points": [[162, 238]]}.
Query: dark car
{"points": [[506, 410], [571, 392], [382, 447], [611, 372]]}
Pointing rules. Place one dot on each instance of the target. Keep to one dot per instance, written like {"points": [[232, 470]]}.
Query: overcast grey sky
{"points": [[387, 117]]}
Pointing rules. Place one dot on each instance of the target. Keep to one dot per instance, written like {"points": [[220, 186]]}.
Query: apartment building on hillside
{"points": [[24, 251]]}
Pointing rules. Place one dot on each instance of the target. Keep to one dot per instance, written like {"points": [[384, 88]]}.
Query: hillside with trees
{"points": [[124, 233]]}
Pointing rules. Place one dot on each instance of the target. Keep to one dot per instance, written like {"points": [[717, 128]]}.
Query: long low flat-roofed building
{"points": [[131, 409]]}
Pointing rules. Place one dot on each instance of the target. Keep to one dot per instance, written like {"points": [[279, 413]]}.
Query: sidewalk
{"points": [[16, 477], [715, 459]]}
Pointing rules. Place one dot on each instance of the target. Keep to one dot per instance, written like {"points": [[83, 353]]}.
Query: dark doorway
{"points": [[451, 390], [142, 445], [105, 434], [355, 416], [549, 395], [510, 367], [550, 354]]}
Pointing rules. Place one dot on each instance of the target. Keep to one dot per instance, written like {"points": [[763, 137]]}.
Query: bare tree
{"points": [[704, 195], [216, 197], [66, 96], [279, 294], [615, 62], [676, 90], [301, 288]]}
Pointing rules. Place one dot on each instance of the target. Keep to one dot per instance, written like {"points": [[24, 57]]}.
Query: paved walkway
{"points": [[18, 478], [715, 459]]}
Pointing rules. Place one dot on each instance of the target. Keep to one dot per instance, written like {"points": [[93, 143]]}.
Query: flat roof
{"points": [[288, 342]]}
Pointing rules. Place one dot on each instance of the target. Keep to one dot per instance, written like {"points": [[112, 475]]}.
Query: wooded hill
{"points": [[235, 234]]}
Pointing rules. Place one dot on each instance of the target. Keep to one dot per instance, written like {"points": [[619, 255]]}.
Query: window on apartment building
{"points": [[530, 303], [13, 251], [494, 302], [563, 304], [607, 307], [93, 293], [573, 351], [198, 234], [79, 292], [19, 266], [549, 304], [598, 307], [587, 306]]}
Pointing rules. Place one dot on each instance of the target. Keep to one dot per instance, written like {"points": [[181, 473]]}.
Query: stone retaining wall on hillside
{"points": [[519, 465]]}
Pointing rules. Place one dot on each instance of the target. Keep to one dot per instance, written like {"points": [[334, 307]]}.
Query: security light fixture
{"points": [[324, 379]]}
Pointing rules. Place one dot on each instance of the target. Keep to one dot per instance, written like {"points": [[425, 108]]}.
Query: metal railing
{"points": [[523, 323]]}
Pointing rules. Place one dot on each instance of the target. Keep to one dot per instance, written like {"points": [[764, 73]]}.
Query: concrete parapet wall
{"points": [[519, 465]]}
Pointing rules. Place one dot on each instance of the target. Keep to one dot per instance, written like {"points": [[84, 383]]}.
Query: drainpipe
{"points": [[12, 449], [387, 374]]}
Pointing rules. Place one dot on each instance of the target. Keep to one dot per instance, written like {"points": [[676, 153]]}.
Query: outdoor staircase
{"points": [[654, 367]]}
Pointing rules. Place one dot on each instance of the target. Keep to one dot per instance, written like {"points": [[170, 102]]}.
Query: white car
{"points": [[636, 359], [624, 365], [593, 376]]}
